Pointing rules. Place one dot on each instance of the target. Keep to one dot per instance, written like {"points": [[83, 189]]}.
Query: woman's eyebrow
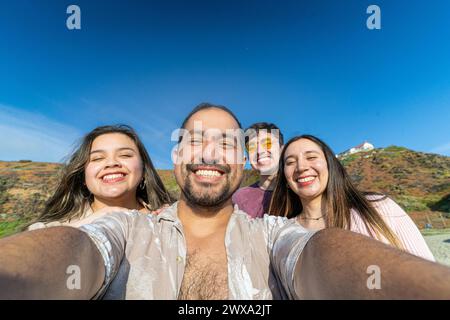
{"points": [[306, 152], [290, 156], [126, 148], [312, 151], [97, 151], [120, 149]]}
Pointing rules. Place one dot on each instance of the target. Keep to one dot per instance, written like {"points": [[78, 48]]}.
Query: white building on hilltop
{"points": [[365, 146]]}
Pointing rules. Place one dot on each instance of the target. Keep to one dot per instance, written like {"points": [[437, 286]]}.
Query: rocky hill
{"points": [[419, 182]]}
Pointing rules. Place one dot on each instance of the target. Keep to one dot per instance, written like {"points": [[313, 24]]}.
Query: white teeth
{"points": [[113, 176], [208, 173], [305, 179]]}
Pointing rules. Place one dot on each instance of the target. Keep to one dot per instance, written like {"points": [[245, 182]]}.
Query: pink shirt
{"points": [[253, 200], [399, 222]]}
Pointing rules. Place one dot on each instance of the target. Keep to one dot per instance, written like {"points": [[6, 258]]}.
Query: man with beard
{"points": [[203, 248], [222, 260]]}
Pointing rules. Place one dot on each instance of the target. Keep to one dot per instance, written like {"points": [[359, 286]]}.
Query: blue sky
{"points": [[308, 66]]}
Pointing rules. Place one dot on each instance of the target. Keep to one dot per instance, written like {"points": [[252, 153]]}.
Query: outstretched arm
{"points": [[52, 263], [339, 264]]}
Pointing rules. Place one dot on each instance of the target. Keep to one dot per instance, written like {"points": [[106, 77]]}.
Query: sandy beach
{"points": [[440, 246]]}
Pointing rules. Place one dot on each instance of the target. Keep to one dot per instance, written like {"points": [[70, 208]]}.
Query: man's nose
{"points": [[211, 153], [261, 148]]}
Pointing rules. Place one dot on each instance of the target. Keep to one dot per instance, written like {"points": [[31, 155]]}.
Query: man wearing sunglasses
{"points": [[263, 142]]}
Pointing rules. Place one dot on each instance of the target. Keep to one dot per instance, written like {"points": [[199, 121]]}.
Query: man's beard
{"points": [[206, 199]]}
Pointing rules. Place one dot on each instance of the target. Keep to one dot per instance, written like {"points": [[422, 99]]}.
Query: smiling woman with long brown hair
{"points": [[110, 168], [313, 187]]}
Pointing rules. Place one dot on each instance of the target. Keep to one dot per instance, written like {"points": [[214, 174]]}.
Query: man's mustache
{"points": [[218, 167]]}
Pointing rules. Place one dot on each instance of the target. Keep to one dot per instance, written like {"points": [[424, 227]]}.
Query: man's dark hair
{"points": [[268, 127], [205, 106]]}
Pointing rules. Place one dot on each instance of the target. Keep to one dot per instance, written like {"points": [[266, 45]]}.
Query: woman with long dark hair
{"points": [[313, 186], [110, 168]]}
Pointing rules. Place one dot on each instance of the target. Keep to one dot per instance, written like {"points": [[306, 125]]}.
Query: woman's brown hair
{"points": [[338, 198], [72, 195]]}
